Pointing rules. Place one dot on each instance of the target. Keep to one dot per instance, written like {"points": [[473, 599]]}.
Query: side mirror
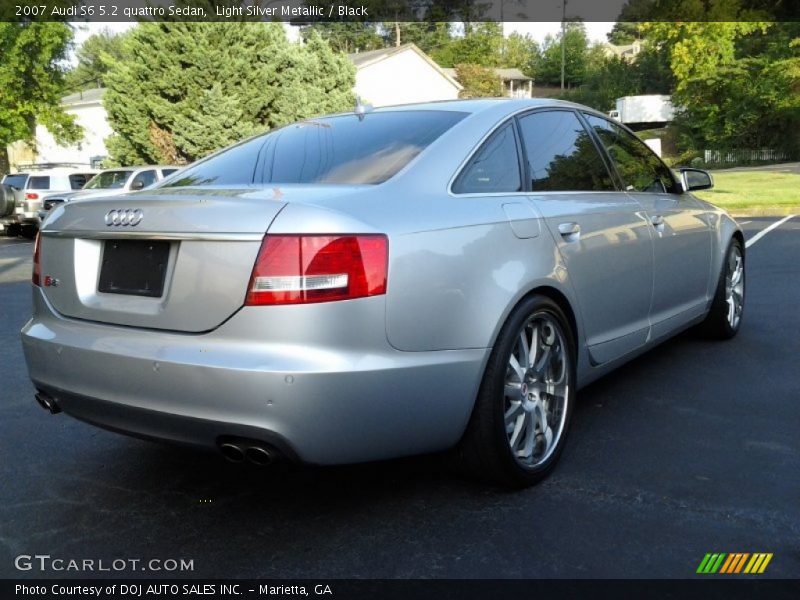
{"points": [[137, 185], [696, 179]]}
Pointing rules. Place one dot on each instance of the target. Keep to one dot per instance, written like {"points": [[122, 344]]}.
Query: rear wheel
{"points": [[12, 230], [725, 317], [522, 413], [28, 231]]}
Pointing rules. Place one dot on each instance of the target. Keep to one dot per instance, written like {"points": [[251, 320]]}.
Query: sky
{"points": [[595, 31]]}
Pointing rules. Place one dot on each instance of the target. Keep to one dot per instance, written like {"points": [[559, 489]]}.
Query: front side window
{"points": [[143, 179], [108, 180], [638, 166], [494, 168], [561, 155], [343, 149], [78, 180], [40, 182]]}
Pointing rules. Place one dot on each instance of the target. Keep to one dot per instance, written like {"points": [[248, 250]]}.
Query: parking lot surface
{"points": [[691, 448]]}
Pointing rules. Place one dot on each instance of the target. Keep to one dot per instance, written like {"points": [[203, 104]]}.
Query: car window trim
{"points": [[574, 111], [629, 131], [483, 144]]}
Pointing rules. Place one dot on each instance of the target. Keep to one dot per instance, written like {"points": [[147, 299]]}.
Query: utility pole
{"points": [[563, 40], [397, 34]]}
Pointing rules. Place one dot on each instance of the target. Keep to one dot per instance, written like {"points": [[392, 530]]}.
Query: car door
{"points": [[599, 230], [681, 234]]}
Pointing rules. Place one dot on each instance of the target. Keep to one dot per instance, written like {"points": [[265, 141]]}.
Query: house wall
{"points": [[400, 79], [92, 117]]}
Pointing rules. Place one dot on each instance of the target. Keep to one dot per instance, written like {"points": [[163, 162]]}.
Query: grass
{"points": [[755, 192]]}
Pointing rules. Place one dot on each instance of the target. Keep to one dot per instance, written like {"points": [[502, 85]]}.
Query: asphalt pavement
{"points": [[691, 448]]}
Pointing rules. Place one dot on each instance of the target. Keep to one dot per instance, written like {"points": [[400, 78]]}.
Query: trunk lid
{"points": [[177, 260]]}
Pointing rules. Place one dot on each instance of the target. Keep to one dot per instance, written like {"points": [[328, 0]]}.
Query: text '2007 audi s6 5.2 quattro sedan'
{"points": [[381, 283]]}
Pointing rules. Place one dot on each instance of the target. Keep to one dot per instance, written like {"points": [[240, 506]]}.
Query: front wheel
{"points": [[522, 413], [725, 316]]}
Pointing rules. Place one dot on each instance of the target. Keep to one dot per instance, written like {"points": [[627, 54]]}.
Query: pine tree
{"points": [[185, 90]]}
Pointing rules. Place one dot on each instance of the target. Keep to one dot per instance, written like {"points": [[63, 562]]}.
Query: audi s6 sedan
{"points": [[381, 283]]}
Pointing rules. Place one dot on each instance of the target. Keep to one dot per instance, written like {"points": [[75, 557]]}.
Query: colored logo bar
{"points": [[735, 562]]}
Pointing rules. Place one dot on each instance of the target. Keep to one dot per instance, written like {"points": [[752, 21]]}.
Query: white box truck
{"points": [[651, 110]]}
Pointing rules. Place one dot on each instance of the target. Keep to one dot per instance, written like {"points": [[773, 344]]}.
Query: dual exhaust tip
{"points": [[235, 451], [47, 402], [253, 452]]}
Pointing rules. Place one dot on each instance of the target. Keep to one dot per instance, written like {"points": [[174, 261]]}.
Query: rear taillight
{"points": [[31, 196], [298, 269], [37, 268]]}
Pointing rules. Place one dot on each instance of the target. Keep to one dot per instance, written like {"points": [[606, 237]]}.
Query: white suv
{"points": [[38, 184]]}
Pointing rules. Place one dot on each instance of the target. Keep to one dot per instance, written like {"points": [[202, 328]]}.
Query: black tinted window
{"points": [[638, 166], [561, 154], [167, 172], [143, 179], [343, 149], [494, 168], [78, 180], [39, 183]]}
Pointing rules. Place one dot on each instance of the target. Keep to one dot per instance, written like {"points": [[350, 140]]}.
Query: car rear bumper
{"points": [[317, 402]]}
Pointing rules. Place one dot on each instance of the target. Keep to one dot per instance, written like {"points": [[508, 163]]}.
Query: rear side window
{"points": [[561, 155], [167, 172], [78, 180], [17, 180], [494, 168], [638, 166], [39, 182], [344, 149]]}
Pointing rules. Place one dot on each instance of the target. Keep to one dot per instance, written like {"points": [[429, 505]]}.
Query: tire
{"points": [[28, 231], [6, 200], [507, 439], [724, 319], [12, 230]]}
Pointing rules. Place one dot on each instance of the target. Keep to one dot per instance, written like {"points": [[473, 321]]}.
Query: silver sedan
{"points": [[383, 283]]}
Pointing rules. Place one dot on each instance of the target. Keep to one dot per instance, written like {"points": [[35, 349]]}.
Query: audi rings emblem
{"points": [[126, 217]]}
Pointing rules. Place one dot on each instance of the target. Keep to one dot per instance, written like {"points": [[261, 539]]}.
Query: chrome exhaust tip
{"points": [[232, 452], [48, 403], [259, 456]]}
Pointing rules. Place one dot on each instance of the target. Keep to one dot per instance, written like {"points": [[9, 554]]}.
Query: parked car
{"points": [[112, 182], [37, 185], [366, 286]]}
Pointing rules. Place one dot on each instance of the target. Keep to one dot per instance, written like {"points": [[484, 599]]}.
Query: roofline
{"points": [[411, 46]]}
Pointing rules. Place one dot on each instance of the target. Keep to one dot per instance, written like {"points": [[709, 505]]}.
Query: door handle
{"points": [[657, 220], [569, 231], [569, 228]]}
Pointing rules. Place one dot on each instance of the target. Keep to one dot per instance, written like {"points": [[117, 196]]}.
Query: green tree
{"points": [[548, 68], [346, 36], [736, 83], [480, 44], [95, 55], [32, 83], [478, 81], [202, 86], [521, 52]]}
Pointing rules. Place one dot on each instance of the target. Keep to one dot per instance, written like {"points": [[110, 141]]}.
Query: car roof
{"points": [[139, 167], [478, 105], [60, 171]]}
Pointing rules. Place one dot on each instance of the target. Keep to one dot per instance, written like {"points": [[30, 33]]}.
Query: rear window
{"points": [[17, 180], [39, 182], [338, 150]]}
